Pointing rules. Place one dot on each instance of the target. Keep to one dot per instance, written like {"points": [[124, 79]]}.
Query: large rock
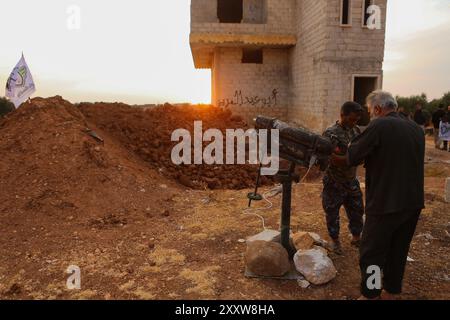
{"points": [[267, 259], [325, 251], [303, 241], [315, 266]]}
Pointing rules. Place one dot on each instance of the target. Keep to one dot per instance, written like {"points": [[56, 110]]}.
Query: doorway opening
{"points": [[362, 87]]}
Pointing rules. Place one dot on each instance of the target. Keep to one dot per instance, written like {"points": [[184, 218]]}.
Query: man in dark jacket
{"points": [[419, 117], [393, 151], [436, 118]]}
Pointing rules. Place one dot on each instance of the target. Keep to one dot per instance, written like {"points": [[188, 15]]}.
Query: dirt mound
{"points": [[148, 133], [52, 136], [51, 163]]}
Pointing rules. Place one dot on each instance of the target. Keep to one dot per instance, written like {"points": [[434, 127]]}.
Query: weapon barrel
{"points": [[298, 136]]}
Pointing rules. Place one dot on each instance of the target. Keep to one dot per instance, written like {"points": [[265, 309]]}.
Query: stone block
{"points": [[266, 235]]}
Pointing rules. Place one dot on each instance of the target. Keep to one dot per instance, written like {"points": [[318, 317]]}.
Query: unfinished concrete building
{"points": [[297, 60]]}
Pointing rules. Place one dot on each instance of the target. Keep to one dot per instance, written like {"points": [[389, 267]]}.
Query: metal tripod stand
{"points": [[286, 178]]}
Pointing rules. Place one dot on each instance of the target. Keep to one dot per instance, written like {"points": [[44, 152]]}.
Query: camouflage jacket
{"points": [[345, 136]]}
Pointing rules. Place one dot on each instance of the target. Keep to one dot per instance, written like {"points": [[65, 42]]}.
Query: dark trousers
{"points": [[334, 196], [385, 244]]}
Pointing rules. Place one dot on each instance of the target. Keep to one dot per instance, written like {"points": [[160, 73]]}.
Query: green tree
{"points": [[5, 106], [410, 103], [436, 103], [445, 100]]}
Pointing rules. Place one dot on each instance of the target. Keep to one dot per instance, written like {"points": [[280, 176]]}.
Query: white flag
{"points": [[20, 84], [444, 131]]}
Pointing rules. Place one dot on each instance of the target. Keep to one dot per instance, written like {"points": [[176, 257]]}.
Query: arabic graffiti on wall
{"points": [[239, 99]]}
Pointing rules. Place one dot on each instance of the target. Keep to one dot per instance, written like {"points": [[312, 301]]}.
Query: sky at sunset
{"points": [[137, 51]]}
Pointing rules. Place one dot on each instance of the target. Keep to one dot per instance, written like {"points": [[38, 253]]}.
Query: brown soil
{"points": [[119, 213], [148, 135]]}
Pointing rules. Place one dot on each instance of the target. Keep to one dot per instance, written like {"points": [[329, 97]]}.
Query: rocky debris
{"points": [[267, 259], [427, 236], [447, 229], [315, 266], [147, 133], [318, 240], [303, 241], [109, 220], [304, 284]]}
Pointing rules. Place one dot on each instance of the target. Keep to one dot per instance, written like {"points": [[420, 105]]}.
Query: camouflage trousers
{"points": [[334, 196]]}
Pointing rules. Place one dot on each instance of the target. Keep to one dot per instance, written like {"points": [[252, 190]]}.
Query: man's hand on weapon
{"points": [[339, 157]]}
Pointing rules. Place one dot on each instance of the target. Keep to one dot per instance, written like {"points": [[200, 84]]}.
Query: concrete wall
{"points": [[312, 79], [255, 11], [350, 51], [278, 17], [251, 89], [203, 11], [308, 76], [281, 16], [326, 58]]}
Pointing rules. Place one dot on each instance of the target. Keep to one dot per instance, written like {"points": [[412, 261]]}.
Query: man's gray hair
{"points": [[383, 99]]}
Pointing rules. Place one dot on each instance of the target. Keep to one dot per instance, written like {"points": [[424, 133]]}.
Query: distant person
{"points": [[446, 119], [340, 184], [419, 117], [393, 151], [436, 119], [402, 113]]}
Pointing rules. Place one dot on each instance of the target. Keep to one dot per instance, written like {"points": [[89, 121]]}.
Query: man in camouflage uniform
{"points": [[340, 185]]}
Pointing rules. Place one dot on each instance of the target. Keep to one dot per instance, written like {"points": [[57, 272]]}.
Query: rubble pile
{"points": [[148, 132], [72, 136]]}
